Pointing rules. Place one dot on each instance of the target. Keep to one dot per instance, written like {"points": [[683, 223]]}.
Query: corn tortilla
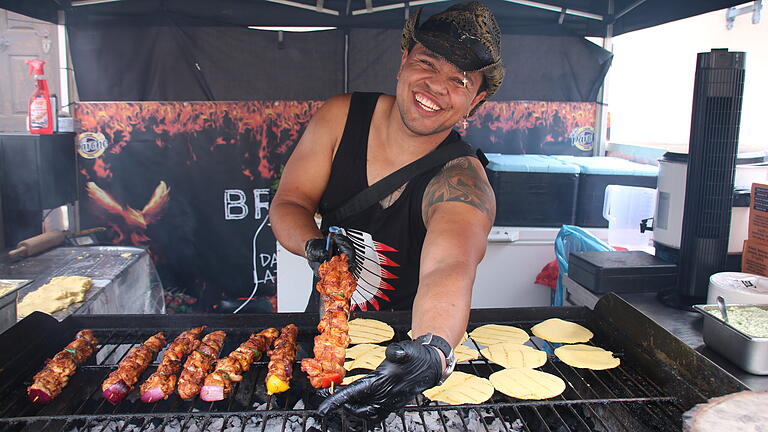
{"points": [[561, 331], [523, 383]]}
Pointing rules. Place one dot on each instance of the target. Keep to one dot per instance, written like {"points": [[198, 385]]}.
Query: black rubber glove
{"points": [[409, 369], [316, 253]]}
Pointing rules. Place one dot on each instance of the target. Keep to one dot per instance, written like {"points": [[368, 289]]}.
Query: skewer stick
{"points": [[331, 387]]}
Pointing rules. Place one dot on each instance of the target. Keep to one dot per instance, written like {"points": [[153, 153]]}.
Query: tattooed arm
{"points": [[458, 208]]}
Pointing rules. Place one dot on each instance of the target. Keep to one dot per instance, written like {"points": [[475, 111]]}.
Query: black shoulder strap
{"points": [[384, 187]]}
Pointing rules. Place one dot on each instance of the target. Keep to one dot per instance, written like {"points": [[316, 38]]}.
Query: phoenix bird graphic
{"points": [[126, 221]]}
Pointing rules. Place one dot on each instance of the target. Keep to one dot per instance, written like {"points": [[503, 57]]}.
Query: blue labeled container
{"points": [[533, 190]]}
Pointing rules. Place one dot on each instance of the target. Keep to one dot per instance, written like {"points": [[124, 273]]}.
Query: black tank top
{"points": [[388, 241]]}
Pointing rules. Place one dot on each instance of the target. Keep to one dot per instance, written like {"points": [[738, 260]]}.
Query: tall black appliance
{"points": [[717, 98]]}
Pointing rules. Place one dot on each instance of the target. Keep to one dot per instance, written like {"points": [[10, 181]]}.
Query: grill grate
{"points": [[620, 399]]}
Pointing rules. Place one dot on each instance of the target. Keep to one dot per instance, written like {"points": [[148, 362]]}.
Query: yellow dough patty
{"points": [[461, 388], [587, 357], [356, 351], [363, 330], [512, 355], [525, 383], [490, 334], [350, 379], [56, 295], [369, 359], [561, 331]]}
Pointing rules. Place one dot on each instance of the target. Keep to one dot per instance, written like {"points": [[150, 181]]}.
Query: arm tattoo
{"points": [[459, 181]]}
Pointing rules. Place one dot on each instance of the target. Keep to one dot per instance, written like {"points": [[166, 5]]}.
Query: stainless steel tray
{"points": [[8, 301], [748, 352]]}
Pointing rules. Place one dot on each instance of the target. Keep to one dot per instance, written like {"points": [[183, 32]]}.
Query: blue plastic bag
{"points": [[572, 239]]}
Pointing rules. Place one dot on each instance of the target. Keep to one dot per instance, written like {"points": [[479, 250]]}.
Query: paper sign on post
{"points": [[755, 256]]}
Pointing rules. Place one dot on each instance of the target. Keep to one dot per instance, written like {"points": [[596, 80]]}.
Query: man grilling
{"points": [[415, 237]]}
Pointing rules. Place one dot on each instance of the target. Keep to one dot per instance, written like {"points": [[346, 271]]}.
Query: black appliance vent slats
{"points": [[718, 89]]}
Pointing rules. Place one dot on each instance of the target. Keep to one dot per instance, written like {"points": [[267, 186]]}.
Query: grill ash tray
{"points": [[659, 378], [747, 352]]}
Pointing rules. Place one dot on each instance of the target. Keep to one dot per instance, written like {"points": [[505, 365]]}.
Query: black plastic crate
{"points": [[621, 271]]}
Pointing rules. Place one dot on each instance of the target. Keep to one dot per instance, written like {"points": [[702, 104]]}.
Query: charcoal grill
{"points": [[659, 378]]}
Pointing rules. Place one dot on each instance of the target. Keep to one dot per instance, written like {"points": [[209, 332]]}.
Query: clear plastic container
{"points": [[625, 207]]}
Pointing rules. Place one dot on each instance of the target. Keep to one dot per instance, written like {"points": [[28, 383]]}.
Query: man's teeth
{"points": [[429, 106]]}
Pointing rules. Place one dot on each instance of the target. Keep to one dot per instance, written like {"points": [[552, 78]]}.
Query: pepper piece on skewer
{"points": [[281, 359], [218, 384]]}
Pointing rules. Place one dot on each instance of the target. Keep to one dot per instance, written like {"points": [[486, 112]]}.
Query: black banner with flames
{"points": [[193, 180]]}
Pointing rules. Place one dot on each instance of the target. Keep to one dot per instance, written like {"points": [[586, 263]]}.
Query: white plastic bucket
{"points": [[625, 207]]}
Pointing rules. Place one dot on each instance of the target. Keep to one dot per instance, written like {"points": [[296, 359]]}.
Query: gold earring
{"points": [[464, 123]]}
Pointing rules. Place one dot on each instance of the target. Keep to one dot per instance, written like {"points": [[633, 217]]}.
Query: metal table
{"points": [[124, 279], [687, 326]]}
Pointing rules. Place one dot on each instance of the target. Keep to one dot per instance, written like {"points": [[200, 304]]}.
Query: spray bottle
{"points": [[40, 117]]}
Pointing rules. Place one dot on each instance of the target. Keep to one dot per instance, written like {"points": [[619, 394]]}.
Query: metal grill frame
{"points": [[649, 391]]}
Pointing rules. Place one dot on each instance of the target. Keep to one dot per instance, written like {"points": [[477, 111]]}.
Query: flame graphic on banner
{"points": [[126, 219], [266, 123], [559, 119]]}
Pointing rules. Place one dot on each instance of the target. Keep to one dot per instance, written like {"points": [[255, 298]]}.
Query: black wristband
{"points": [[437, 342]]}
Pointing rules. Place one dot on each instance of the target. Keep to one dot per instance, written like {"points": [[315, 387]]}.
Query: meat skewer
{"points": [[163, 382], [336, 287], [218, 384], [281, 359], [199, 364], [120, 382], [49, 382]]}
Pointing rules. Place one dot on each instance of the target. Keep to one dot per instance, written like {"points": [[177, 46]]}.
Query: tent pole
{"points": [[346, 60], [63, 63], [601, 114]]}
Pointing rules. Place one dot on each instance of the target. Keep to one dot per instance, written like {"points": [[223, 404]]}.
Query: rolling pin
{"points": [[47, 240], [38, 243]]}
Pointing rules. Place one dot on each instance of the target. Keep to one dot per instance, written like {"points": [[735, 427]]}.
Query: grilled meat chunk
{"points": [[336, 287], [163, 382], [48, 383], [281, 359], [199, 364]]}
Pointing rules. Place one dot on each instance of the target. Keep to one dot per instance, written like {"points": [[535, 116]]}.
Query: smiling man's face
{"points": [[433, 94]]}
